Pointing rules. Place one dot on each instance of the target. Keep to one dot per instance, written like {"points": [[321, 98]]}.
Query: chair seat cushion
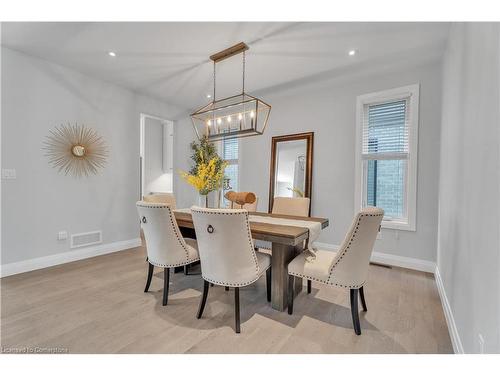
{"points": [[264, 261], [193, 254], [316, 269]]}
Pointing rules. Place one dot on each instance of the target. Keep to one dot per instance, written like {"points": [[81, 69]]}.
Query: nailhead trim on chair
{"points": [[257, 268], [327, 282], [234, 284], [176, 231], [345, 252], [173, 265]]}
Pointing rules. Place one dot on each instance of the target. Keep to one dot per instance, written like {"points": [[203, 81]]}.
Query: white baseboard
{"points": [[66, 257], [404, 262], [390, 259], [450, 321]]}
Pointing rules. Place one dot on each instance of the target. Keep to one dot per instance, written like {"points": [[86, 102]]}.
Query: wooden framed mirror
{"points": [[291, 166]]}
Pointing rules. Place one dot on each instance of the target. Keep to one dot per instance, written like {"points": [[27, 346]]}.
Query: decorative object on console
{"points": [[236, 116], [226, 184], [76, 150], [207, 173], [241, 198]]}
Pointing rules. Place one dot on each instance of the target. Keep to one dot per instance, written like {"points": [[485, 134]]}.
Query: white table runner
{"points": [[314, 227]]}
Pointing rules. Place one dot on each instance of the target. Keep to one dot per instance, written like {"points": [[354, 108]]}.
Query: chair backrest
{"points": [[250, 207], [167, 198], [164, 243], [350, 266], [291, 206], [225, 245]]}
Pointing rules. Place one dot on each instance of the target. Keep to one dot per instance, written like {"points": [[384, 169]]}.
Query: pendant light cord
{"points": [[243, 88], [214, 84], [243, 72]]}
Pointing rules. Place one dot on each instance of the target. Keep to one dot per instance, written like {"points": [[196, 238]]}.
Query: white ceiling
{"points": [[170, 61]]}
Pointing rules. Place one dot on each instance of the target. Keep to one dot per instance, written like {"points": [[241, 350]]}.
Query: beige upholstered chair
{"points": [[291, 206], [227, 255], [287, 206], [166, 198], [347, 268], [250, 207], [165, 245]]}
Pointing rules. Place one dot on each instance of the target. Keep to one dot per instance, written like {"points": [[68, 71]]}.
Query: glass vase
{"points": [[203, 200]]}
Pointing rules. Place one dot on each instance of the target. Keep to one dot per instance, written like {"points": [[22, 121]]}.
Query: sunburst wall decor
{"points": [[76, 150]]}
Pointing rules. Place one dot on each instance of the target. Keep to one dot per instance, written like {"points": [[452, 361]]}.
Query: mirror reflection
{"points": [[290, 174], [291, 166]]}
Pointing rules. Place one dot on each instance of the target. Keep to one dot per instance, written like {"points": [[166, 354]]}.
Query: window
{"points": [[386, 154], [230, 153]]}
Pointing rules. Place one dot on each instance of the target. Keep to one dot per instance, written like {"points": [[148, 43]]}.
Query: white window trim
{"points": [[413, 92]]}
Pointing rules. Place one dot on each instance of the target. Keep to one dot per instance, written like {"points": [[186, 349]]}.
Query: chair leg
{"points": [[308, 286], [291, 281], [362, 297], [354, 311], [166, 282], [186, 269], [237, 309], [203, 300], [226, 288], [150, 276], [268, 284]]}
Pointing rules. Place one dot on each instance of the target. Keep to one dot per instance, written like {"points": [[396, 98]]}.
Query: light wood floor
{"points": [[98, 306]]}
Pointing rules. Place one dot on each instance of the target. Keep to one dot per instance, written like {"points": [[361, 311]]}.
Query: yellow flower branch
{"points": [[209, 175]]}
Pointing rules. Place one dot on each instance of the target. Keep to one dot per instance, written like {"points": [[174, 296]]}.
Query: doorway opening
{"points": [[156, 155]]}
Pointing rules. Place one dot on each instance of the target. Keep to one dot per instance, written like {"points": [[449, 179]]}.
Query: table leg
{"points": [[281, 256]]}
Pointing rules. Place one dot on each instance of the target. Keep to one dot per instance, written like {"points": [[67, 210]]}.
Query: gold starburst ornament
{"points": [[76, 150]]}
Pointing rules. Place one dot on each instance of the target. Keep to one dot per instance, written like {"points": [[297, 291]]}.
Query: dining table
{"points": [[286, 242]]}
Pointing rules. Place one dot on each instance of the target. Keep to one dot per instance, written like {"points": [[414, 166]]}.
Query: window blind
{"points": [[230, 149], [230, 154], [385, 130]]}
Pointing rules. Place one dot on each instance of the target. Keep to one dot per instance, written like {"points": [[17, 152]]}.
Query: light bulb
{"points": [[352, 52], [228, 118], [240, 116], [219, 121], [209, 122], [252, 114]]}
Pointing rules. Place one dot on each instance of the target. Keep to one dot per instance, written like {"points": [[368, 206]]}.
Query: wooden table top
{"points": [[284, 234]]}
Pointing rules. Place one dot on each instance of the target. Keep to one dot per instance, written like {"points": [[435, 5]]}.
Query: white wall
{"points": [[185, 194], [36, 97], [328, 107], [469, 204]]}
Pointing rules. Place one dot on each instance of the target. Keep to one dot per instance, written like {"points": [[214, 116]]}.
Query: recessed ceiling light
{"points": [[209, 96], [112, 54], [352, 52]]}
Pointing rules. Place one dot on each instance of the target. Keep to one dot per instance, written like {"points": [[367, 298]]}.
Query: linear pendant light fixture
{"points": [[236, 116]]}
